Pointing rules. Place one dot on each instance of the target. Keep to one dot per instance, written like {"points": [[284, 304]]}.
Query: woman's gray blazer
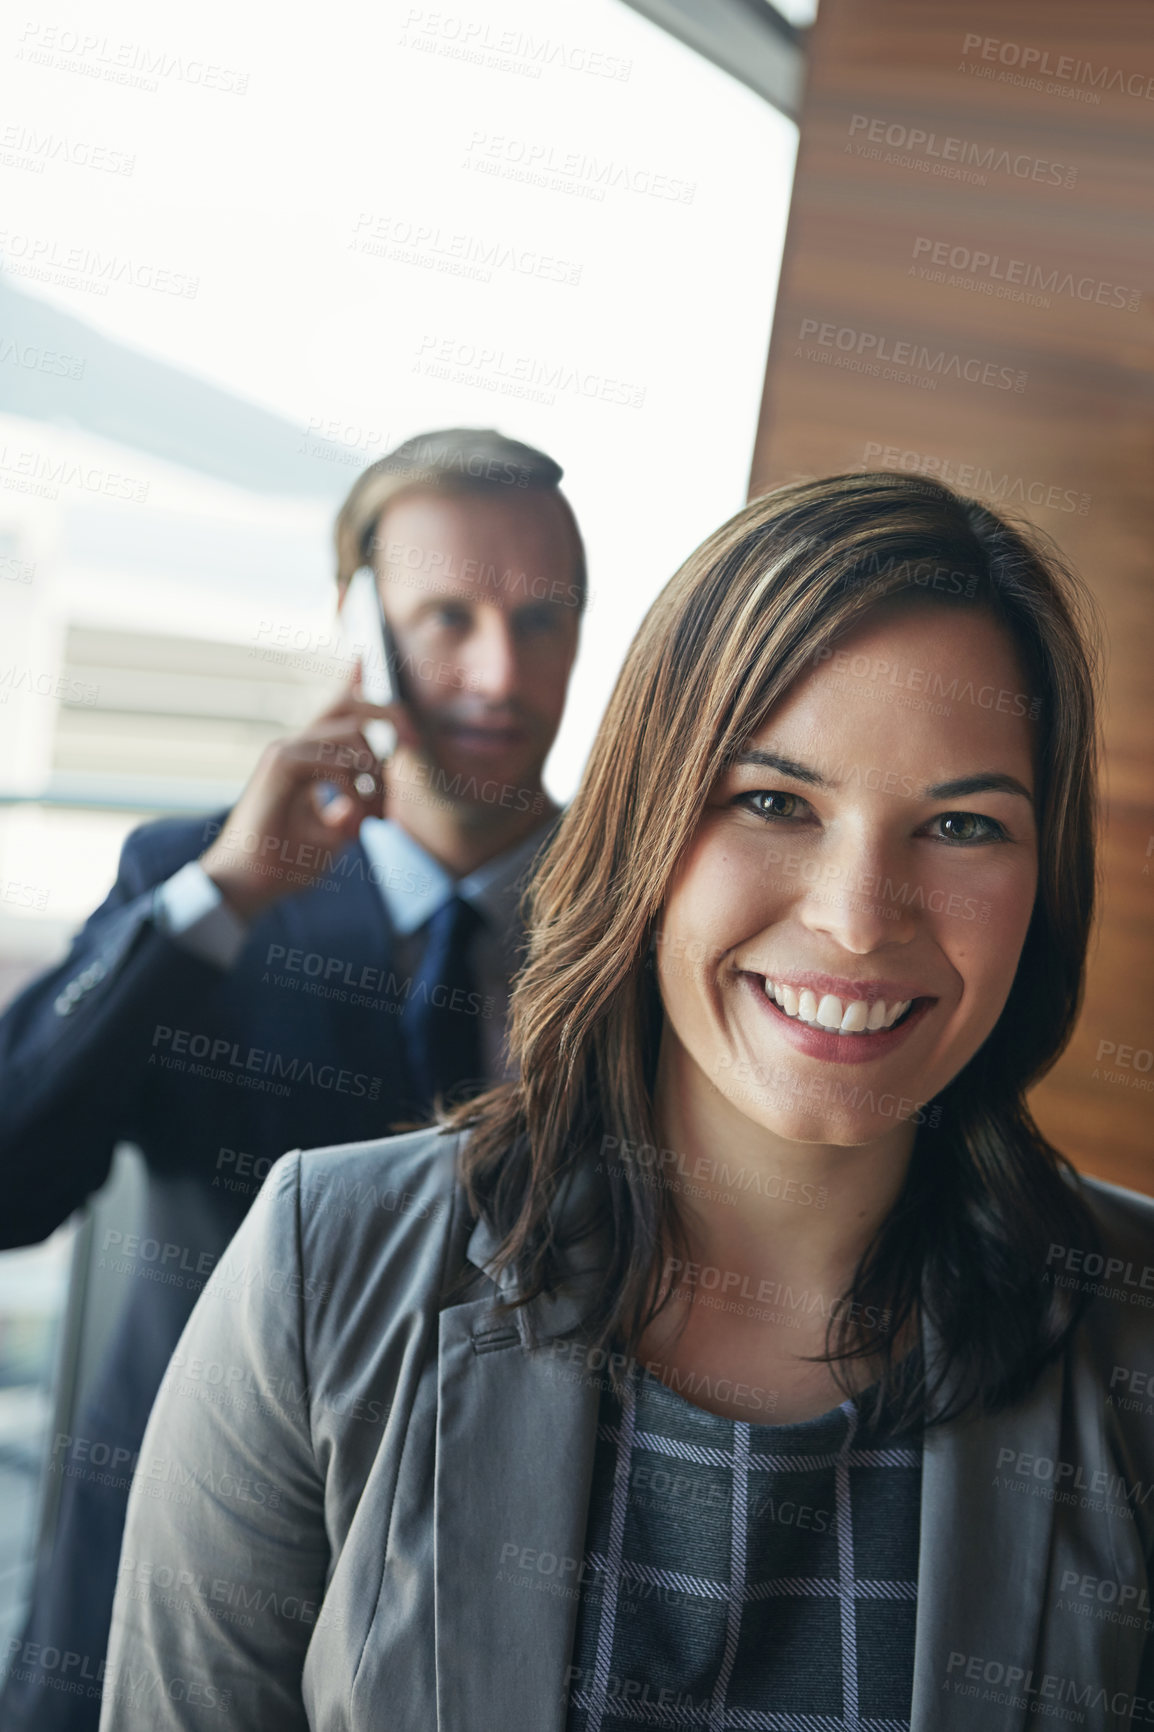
{"points": [[357, 1506]]}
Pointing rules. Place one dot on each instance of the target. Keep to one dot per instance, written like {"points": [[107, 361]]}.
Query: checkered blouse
{"points": [[743, 1577]]}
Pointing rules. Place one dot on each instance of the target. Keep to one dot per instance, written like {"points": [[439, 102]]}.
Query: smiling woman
{"points": [[747, 1358], [874, 921], [866, 918]]}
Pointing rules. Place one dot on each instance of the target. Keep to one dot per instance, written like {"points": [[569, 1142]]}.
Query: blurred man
{"points": [[312, 967]]}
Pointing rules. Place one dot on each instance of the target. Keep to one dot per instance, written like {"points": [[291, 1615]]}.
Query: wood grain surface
{"points": [[977, 181]]}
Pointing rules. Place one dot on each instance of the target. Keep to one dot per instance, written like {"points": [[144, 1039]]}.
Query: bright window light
{"points": [[555, 219]]}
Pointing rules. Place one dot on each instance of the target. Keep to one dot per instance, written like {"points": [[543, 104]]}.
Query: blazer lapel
{"points": [[343, 920], [984, 1562], [516, 1432]]}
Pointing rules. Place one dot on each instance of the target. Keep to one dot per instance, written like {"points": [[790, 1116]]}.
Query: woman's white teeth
{"points": [[829, 1012]]}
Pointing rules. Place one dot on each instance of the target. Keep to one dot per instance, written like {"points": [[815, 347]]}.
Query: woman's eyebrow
{"points": [[985, 782], [989, 782], [783, 766]]}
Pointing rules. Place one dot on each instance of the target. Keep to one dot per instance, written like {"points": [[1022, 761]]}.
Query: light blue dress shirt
{"points": [[194, 914]]}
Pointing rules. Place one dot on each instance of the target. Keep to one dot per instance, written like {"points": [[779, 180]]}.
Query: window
{"points": [[239, 263]]}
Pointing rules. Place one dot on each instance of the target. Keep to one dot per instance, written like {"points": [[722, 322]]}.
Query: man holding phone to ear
{"points": [[312, 967]]}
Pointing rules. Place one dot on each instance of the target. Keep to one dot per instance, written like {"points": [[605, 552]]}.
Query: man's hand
{"points": [[279, 836]]}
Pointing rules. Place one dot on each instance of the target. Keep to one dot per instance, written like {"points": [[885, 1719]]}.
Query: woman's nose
{"points": [[859, 893]]}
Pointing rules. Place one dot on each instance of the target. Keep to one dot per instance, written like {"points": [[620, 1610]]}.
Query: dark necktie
{"points": [[441, 1021]]}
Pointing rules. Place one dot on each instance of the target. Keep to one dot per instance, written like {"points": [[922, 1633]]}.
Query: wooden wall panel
{"points": [[1024, 134]]}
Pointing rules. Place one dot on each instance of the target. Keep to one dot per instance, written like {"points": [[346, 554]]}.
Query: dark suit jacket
{"points": [[213, 1075]]}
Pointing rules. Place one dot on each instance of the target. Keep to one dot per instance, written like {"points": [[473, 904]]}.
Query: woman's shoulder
{"points": [[363, 1212], [1117, 1271], [413, 1173], [1124, 1218]]}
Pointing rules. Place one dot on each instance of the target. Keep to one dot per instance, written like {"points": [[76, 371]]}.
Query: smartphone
{"points": [[366, 634]]}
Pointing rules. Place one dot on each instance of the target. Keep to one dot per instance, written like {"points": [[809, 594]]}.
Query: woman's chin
{"points": [[853, 1129]]}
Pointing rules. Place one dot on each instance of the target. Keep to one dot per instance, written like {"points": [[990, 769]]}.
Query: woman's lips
{"points": [[828, 1044]]}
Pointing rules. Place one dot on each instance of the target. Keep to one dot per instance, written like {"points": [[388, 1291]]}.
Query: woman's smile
{"points": [[839, 1030]]}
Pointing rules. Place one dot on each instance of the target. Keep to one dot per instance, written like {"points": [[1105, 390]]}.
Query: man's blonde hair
{"points": [[452, 460]]}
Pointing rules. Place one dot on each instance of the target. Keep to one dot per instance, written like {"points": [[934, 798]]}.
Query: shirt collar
{"points": [[413, 885]]}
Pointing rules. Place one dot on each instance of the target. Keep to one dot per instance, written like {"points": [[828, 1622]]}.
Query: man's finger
{"points": [[343, 748], [359, 710], [334, 812], [348, 705], [349, 764], [365, 711], [360, 796]]}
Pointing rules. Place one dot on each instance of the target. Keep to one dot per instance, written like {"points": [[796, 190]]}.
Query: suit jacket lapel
{"points": [[343, 919], [343, 912], [516, 1432], [984, 1561]]}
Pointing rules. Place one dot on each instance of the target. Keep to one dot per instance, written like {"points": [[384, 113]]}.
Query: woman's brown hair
{"points": [[757, 606]]}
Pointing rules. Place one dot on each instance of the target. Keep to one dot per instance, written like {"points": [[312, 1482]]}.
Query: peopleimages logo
{"points": [[38, 473], [227, 1060], [458, 253], [24, 147], [541, 379], [546, 163], [355, 982], [948, 156], [34, 255], [1000, 488], [1012, 275], [981, 1677], [137, 64], [1039, 63], [47, 1666], [870, 351], [482, 43], [33, 683], [671, 1164], [34, 359], [877, 671]]}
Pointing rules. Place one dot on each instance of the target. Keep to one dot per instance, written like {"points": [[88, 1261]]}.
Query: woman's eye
{"points": [[969, 827], [773, 803]]}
